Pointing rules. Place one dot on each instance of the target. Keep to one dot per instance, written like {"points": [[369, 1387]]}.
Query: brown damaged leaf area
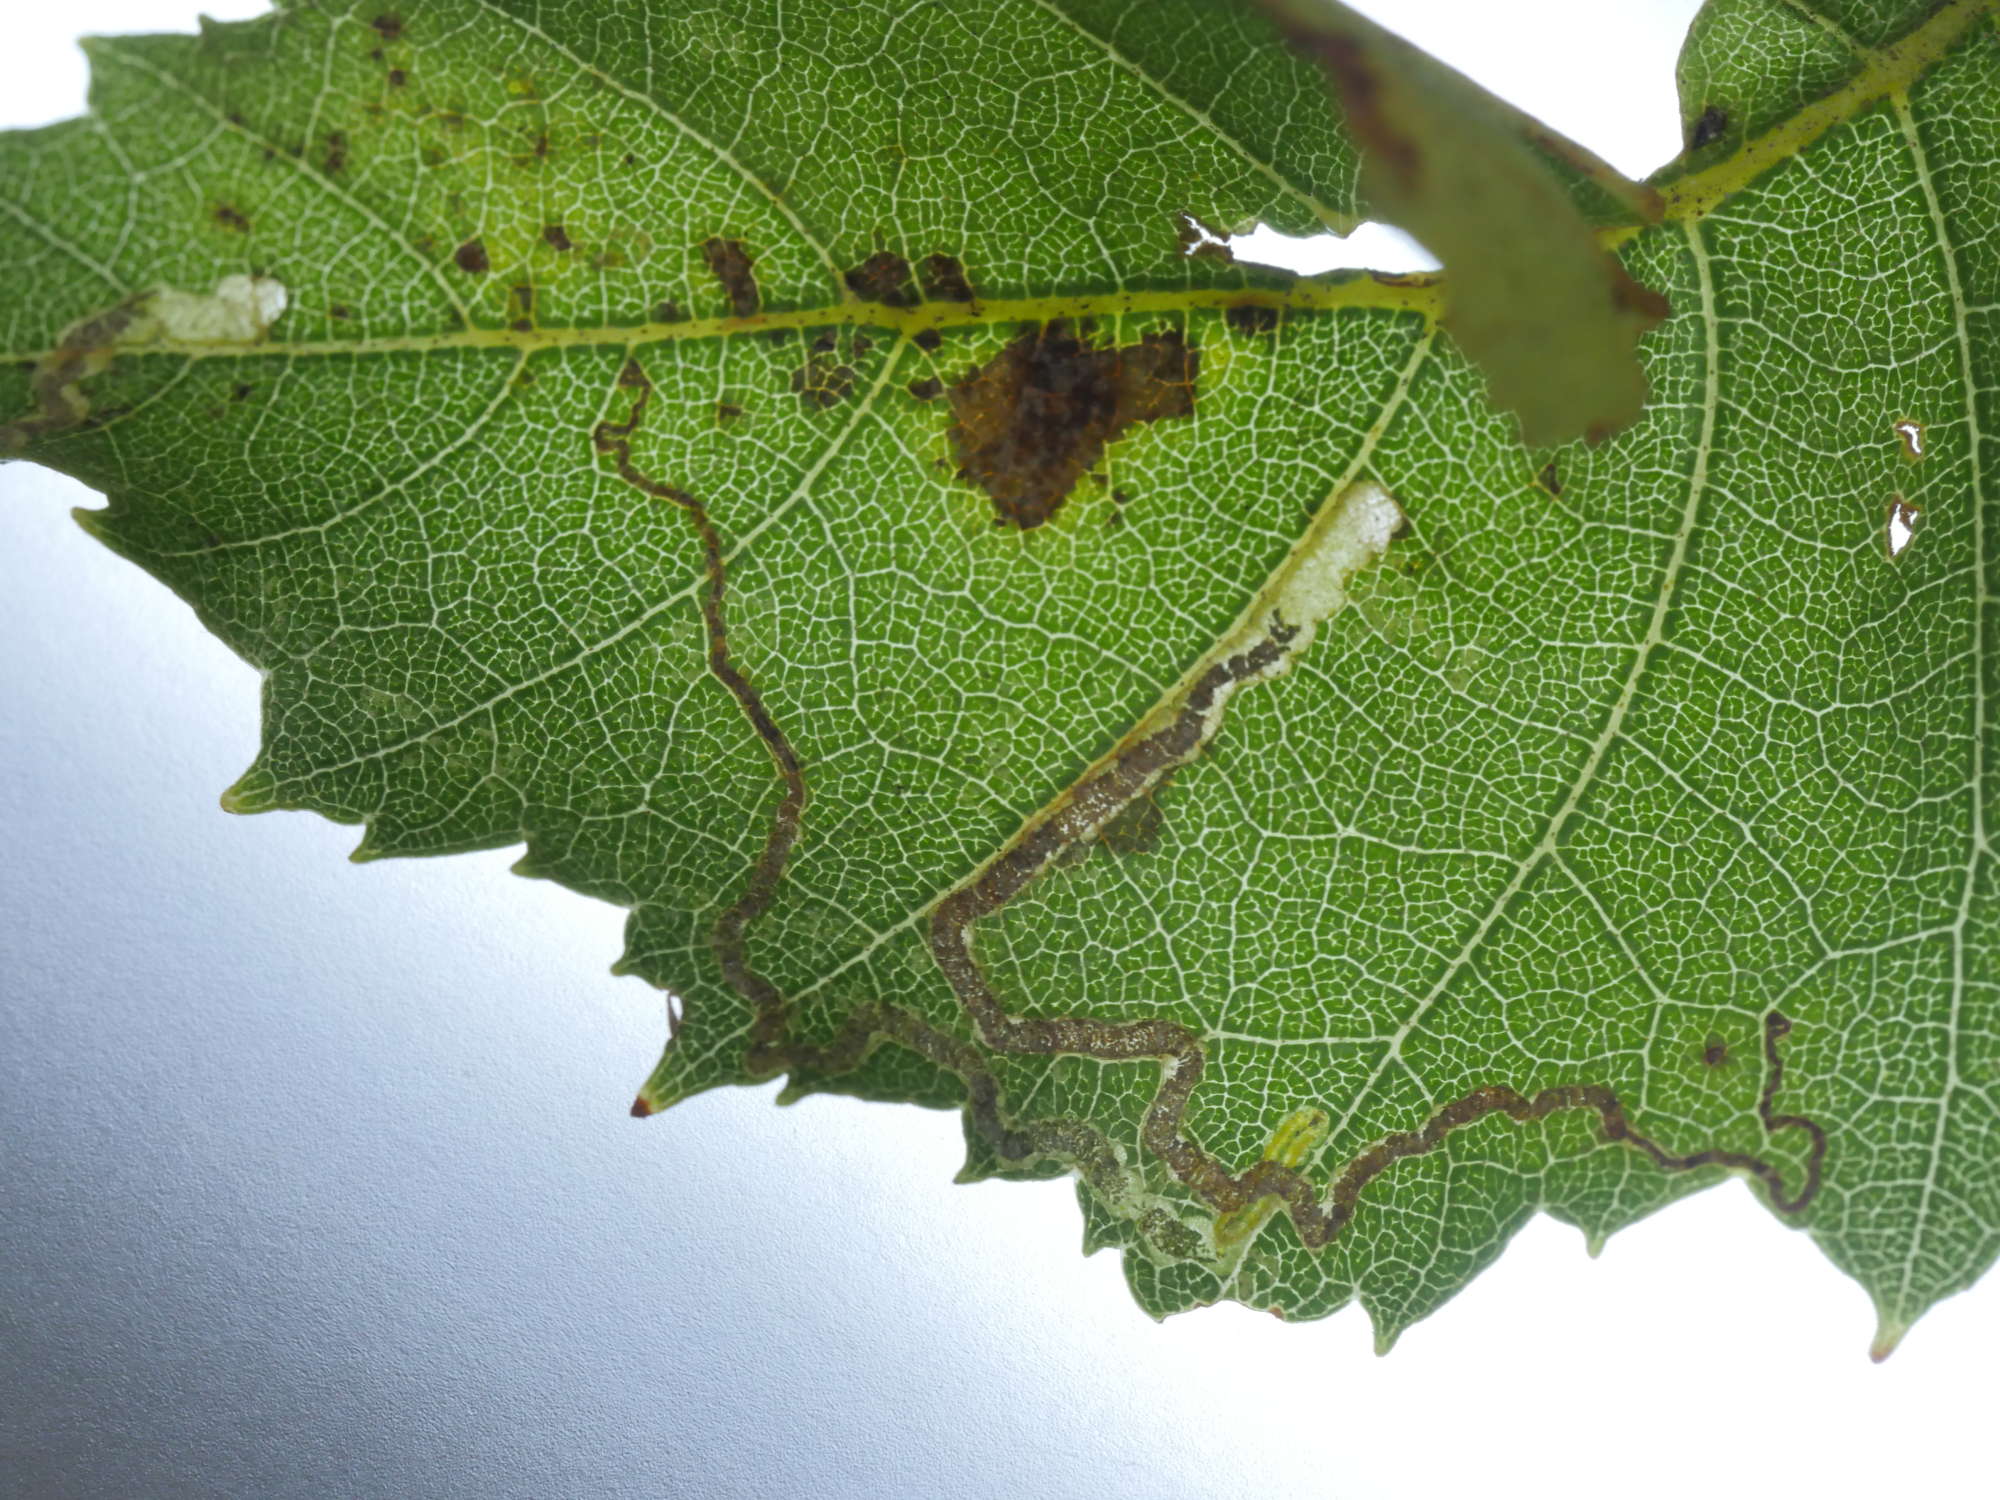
{"points": [[885, 278], [1033, 420], [56, 386], [731, 264], [945, 279]]}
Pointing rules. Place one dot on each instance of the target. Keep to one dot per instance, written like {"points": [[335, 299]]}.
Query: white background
{"points": [[317, 1179]]}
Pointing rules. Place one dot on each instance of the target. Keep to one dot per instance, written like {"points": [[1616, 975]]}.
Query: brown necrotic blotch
{"points": [[885, 278], [471, 258], [944, 279], [1033, 420], [824, 380], [731, 264], [1250, 319]]}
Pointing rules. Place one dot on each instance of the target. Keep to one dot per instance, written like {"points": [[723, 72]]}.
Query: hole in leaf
{"points": [[1899, 526], [1373, 246]]}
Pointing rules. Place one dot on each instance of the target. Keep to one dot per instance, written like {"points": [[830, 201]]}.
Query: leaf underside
{"points": [[783, 470]]}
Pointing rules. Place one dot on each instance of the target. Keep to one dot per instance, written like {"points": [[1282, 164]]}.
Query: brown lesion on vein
{"points": [[947, 312], [878, 299]]}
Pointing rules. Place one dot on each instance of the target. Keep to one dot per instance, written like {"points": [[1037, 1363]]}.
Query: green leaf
{"points": [[785, 472], [1532, 297]]}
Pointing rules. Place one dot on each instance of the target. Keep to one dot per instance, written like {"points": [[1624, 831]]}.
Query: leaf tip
{"points": [[1888, 1334], [642, 1106], [253, 792], [1387, 1331]]}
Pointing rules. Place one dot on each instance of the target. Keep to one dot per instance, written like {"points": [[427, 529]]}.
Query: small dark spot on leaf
{"points": [[388, 26], [667, 312], [727, 412], [944, 279], [240, 392], [1033, 420], [1549, 479], [340, 311], [229, 216], [927, 390], [1714, 1051], [523, 325], [397, 78], [1248, 318], [1710, 127], [928, 340], [471, 258], [1119, 497], [821, 383], [732, 265], [885, 278], [375, 54], [825, 341], [630, 374], [631, 160], [781, 335], [556, 237], [862, 345], [334, 162], [542, 147]]}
